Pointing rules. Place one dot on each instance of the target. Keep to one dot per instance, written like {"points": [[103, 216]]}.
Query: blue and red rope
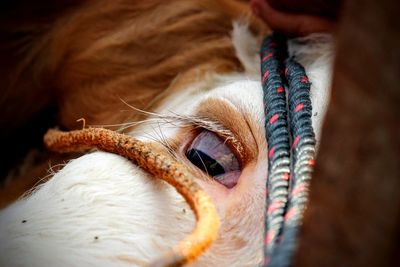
{"points": [[277, 136], [291, 148]]}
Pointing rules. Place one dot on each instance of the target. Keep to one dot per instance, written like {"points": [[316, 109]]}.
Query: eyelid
{"points": [[230, 118], [211, 115], [222, 132]]}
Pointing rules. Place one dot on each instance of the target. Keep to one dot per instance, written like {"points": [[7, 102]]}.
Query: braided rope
{"points": [[283, 219], [303, 146], [277, 136], [159, 164]]}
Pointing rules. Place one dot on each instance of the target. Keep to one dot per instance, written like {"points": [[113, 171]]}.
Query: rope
{"points": [[161, 165], [277, 137], [288, 178]]}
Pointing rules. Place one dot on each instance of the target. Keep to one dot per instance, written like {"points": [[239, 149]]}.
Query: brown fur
{"points": [[90, 56], [103, 51]]}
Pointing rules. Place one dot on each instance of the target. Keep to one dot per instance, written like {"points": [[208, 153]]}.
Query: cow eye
{"points": [[209, 153]]}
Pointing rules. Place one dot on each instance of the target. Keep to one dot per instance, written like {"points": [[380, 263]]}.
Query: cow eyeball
{"points": [[212, 155]]}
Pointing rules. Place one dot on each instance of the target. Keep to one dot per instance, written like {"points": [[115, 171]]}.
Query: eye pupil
{"points": [[204, 162]]}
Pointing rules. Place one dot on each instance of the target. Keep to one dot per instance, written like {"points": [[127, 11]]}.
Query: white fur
{"points": [[136, 217], [246, 47], [98, 210]]}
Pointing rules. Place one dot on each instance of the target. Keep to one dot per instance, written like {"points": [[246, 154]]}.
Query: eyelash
{"points": [[191, 126]]}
